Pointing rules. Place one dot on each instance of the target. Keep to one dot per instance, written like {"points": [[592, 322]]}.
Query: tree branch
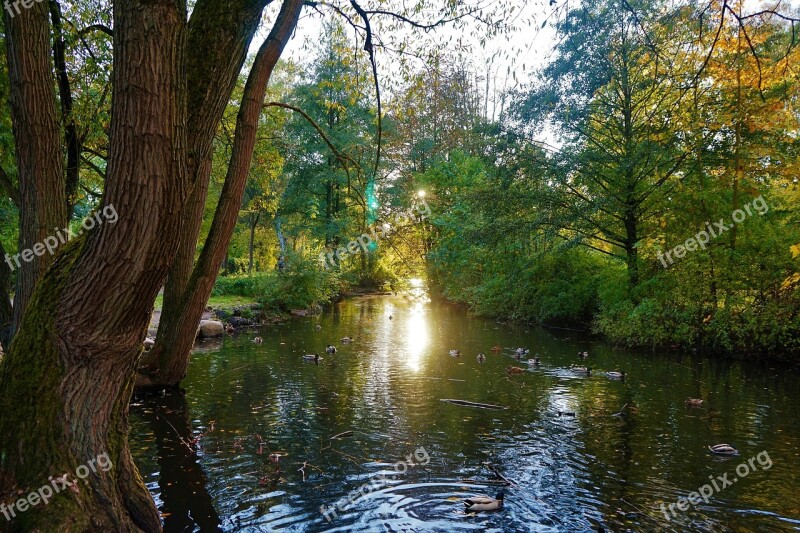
{"points": [[8, 186]]}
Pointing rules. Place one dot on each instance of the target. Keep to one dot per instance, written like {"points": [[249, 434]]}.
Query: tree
{"points": [[614, 103], [40, 168]]}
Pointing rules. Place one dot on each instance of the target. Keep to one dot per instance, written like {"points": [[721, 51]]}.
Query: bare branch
{"points": [[10, 189], [98, 27]]}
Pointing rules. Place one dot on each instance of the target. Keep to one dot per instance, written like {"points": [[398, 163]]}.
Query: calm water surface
{"points": [[205, 455]]}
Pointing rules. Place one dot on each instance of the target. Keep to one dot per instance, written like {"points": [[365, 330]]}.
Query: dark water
{"points": [[206, 456]]}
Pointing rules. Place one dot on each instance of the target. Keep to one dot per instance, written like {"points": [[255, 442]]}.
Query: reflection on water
{"points": [[575, 462]]}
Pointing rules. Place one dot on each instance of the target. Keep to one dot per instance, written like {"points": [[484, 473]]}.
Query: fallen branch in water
{"points": [[483, 481], [342, 434], [498, 474], [474, 404]]}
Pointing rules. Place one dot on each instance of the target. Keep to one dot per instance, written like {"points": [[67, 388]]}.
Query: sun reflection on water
{"points": [[417, 335]]}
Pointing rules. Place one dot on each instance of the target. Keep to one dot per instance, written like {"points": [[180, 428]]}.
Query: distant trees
{"points": [[667, 119]]}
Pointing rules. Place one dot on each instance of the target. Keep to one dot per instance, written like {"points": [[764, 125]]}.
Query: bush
{"points": [[302, 285]]}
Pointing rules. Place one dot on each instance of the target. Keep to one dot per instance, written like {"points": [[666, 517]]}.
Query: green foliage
{"points": [[302, 285]]}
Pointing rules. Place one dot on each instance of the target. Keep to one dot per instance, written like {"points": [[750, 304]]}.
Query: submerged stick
{"points": [[474, 404], [498, 474]]}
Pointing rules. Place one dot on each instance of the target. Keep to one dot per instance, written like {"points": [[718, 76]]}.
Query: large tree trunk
{"points": [[79, 343], [38, 143], [218, 43], [166, 363]]}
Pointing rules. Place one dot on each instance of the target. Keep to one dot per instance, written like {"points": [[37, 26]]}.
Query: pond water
{"points": [[406, 459]]}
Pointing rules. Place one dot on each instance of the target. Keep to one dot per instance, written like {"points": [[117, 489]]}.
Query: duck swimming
{"points": [[514, 370], [346, 340], [694, 402], [723, 449], [535, 361], [484, 503], [258, 340], [481, 358], [616, 374], [496, 348], [581, 370], [455, 353], [313, 357], [330, 349]]}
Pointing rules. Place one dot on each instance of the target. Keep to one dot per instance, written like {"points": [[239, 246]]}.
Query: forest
{"points": [[633, 182]]}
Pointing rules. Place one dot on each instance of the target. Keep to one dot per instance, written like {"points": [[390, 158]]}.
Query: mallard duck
{"points": [[522, 351], [481, 358], [581, 370], [616, 374], [330, 349], [318, 327], [258, 340], [312, 357], [694, 402], [723, 449], [346, 340], [455, 353], [535, 361], [484, 503], [514, 370], [497, 348]]}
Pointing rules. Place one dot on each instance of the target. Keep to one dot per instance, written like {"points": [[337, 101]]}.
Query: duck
{"points": [[455, 353], [258, 340], [694, 402], [496, 348], [616, 374], [330, 349], [390, 317], [318, 327], [581, 370], [514, 370], [312, 357], [481, 358], [583, 355], [535, 361], [522, 351], [484, 503], [723, 449], [346, 340]]}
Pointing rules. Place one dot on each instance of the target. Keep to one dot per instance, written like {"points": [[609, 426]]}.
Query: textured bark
{"points": [[166, 363], [79, 342], [218, 43], [37, 137]]}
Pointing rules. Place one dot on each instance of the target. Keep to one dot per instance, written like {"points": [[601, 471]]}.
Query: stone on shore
{"points": [[210, 328]]}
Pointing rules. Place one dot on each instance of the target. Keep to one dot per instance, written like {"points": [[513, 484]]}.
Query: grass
{"points": [[217, 302]]}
